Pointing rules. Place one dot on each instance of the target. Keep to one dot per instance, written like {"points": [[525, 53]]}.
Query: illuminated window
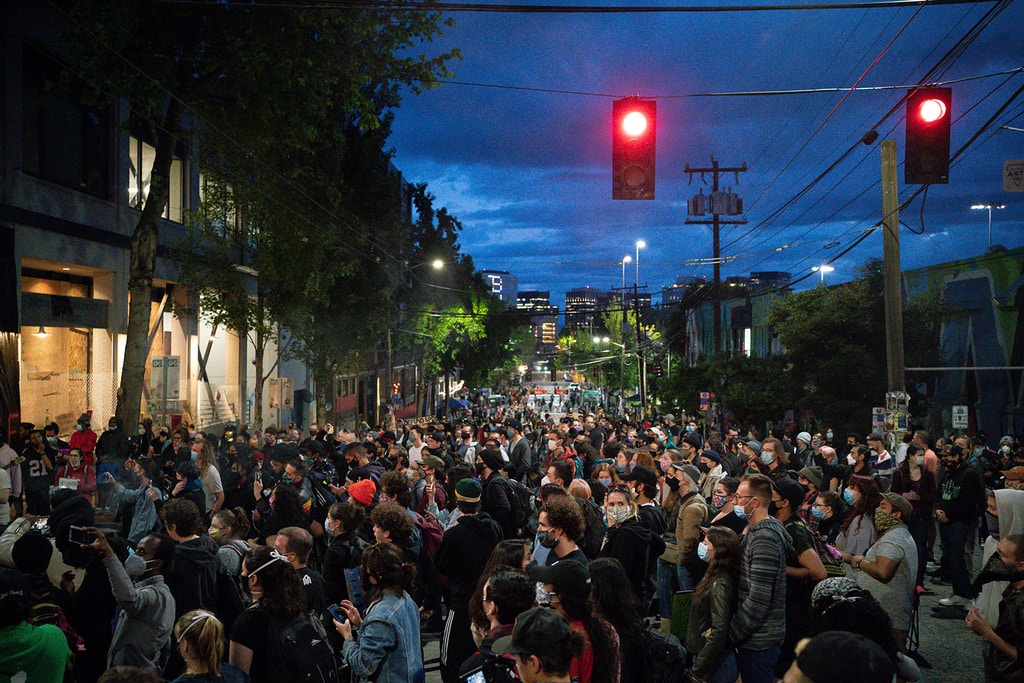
{"points": [[140, 174]]}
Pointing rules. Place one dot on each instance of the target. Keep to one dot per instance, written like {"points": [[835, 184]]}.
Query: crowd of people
{"points": [[590, 548]]}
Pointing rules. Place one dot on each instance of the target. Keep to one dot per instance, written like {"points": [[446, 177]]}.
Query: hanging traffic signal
{"points": [[927, 145], [633, 136]]}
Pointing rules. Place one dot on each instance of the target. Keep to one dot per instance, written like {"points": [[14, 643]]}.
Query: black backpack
{"points": [[664, 658], [521, 499], [593, 536], [298, 651]]}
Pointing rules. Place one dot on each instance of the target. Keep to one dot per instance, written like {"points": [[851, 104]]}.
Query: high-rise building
{"points": [[543, 318], [770, 279], [675, 293], [584, 307], [503, 285]]}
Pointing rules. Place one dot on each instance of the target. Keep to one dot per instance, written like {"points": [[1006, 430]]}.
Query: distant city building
{"points": [[543, 318], [584, 306], [770, 279], [503, 285], [674, 294]]}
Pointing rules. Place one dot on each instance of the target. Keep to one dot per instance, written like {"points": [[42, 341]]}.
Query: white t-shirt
{"points": [[5, 508], [416, 453], [211, 486]]}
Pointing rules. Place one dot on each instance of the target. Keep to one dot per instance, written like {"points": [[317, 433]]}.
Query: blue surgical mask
{"points": [[767, 458], [702, 551], [849, 497], [135, 566], [740, 511], [621, 469], [689, 428], [829, 435], [817, 512]]}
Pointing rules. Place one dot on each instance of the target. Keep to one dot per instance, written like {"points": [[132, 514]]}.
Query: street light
{"points": [[625, 259], [640, 244], [977, 207], [822, 269]]}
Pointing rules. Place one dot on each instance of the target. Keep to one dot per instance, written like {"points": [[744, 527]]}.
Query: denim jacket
{"points": [[386, 648], [145, 518]]}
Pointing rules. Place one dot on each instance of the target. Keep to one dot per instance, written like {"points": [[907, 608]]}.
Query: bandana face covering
{"points": [[997, 570]]}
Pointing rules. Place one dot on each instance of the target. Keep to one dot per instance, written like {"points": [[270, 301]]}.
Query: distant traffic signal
{"points": [[927, 144], [633, 136]]}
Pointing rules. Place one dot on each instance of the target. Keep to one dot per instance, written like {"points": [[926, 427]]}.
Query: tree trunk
{"points": [[140, 277], [257, 391]]}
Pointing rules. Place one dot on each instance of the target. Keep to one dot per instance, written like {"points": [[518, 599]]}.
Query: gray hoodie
{"points": [[144, 623]]}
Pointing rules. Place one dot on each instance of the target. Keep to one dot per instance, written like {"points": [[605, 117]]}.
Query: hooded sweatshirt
{"points": [[463, 554], [112, 446], [1010, 504], [39, 651], [193, 575], [637, 548]]}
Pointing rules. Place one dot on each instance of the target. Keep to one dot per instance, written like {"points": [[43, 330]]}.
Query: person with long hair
{"points": [[606, 474], [857, 532], [707, 633], [230, 529], [567, 589], [724, 501], [507, 594], [275, 589], [213, 487], [283, 508], [915, 482], [200, 638], [384, 644], [615, 601], [630, 541], [511, 553]]}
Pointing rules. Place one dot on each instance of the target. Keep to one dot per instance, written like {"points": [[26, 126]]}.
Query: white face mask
{"points": [[850, 460], [919, 459], [552, 444]]}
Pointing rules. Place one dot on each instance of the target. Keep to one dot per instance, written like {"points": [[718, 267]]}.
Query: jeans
{"points": [[757, 666], [671, 579], [724, 670], [953, 536]]}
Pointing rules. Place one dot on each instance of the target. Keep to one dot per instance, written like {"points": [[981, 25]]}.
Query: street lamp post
{"points": [[989, 207], [821, 270], [642, 362], [436, 264]]}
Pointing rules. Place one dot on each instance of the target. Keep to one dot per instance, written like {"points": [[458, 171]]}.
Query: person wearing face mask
{"points": [[685, 512], [961, 500], [560, 528], [142, 636], [1003, 662], [707, 632], [711, 472], [722, 503], [758, 625], [630, 541], [84, 438], [229, 529], [857, 532], [857, 461], [498, 499], [52, 437], [1004, 517], [111, 453], [467, 446], [888, 569], [774, 460], [83, 475], [915, 482], [826, 513], [606, 475]]}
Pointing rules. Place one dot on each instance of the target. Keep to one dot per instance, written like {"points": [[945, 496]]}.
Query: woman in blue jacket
{"points": [[384, 644]]}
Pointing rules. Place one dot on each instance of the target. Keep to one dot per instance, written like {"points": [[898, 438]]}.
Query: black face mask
{"points": [[672, 482], [997, 570], [773, 509], [480, 468]]}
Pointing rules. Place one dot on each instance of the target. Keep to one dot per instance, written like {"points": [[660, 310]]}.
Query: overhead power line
{"points": [[508, 8]]}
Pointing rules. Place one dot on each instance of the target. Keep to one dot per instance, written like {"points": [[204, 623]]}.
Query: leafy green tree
{"points": [[261, 77], [835, 344]]}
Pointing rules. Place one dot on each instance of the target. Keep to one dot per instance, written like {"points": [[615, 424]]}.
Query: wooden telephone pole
{"points": [[892, 277], [718, 203]]}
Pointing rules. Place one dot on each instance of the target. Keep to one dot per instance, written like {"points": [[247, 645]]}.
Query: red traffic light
{"points": [[931, 110], [929, 114], [633, 146]]}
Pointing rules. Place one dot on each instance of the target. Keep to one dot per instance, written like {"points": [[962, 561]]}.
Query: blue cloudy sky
{"points": [[528, 173]]}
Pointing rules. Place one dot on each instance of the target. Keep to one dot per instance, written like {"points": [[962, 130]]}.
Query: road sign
{"points": [[1013, 175], [959, 417], [705, 400]]}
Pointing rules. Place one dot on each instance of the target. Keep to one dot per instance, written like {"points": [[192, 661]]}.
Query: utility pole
{"points": [[641, 357], [891, 268], [718, 203]]}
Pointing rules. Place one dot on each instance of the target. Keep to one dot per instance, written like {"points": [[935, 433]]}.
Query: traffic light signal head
{"points": [[927, 144], [633, 138]]}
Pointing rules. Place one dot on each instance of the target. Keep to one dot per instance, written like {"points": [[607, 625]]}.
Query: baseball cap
{"points": [[899, 503], [790, 490], [13, 588], [514, 424], [643, 474], [754, 444], [437, 436], [876, 436], [538, 631], [569, 577], [432, 461]]}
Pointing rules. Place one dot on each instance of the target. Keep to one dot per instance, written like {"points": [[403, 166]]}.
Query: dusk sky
{"points": [[529, 173]]}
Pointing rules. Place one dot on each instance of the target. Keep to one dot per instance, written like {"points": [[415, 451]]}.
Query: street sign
{"points": [[959, 417], [1013, 176], [705, 400], [878, 417]]}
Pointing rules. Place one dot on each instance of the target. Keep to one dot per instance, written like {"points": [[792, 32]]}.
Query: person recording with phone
{"points": [[142, 636], [146, 497]]}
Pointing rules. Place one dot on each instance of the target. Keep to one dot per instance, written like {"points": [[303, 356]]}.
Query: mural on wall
{"points": [[984, 330]]}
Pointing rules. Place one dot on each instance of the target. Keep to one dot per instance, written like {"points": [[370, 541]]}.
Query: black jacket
{"points": [[637, 548], [463, 554], [193, 575], [496, 501], [112, 445]]}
